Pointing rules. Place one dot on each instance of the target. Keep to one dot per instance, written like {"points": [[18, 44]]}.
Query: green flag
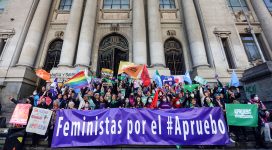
{"points": [[190, 88], [242, 115], [157, 73]]}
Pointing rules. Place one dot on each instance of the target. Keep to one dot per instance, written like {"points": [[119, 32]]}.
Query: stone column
{"points": [[34, 35], [86, 34], [139, 33], [155, 34], [71, 34], [265, 19], [194, 35]]}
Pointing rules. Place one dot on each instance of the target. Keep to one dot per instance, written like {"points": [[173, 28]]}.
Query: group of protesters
{"points": [[130, 93]]}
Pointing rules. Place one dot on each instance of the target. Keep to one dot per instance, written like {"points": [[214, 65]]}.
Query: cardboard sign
{"points": [[106, 73], [39, 121], [20, 114]]}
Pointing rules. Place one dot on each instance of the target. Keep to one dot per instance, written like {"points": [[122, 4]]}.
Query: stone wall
{"points": [[258, 80]]}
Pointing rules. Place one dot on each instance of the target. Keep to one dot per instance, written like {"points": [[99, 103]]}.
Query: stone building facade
{"points": [[206, 37]]}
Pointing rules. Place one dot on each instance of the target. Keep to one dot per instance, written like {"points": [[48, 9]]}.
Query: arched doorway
{"points": [[112, 49], [53, 55], [174, 56]]}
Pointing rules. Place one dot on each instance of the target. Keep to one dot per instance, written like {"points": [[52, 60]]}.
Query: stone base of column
{"points": [[17, 82], [204, 72], [81, 66], [64, 66], [209, 74], [158, 66]]}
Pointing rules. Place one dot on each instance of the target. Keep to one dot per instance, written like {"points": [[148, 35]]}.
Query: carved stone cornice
{"points": [[221, 32]]}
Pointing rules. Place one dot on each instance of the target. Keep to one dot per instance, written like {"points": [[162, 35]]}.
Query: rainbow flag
{"points": [[78, 81]]}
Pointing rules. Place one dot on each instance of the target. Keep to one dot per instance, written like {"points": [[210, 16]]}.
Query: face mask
{"points": [[150, 100], [164, 100], [256, 98], [108, 100], [192, 95], [127, 100], [177, 102]]}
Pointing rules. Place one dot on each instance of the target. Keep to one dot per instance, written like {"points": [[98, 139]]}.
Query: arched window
{"points": [[113, 49], [167, 4], [53, 55], [174, 57], [116, 4], [65, 5]]}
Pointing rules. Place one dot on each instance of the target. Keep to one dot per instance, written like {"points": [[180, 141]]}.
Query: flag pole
{"points": [[252, 33]]}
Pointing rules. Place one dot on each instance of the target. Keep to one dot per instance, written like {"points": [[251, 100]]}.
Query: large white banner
{"points": [[39, 121]]}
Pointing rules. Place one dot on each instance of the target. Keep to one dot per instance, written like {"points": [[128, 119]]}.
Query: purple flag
{"points": [[121, 126]]}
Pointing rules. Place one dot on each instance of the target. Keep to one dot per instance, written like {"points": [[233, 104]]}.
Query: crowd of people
{"points": [[129, 93]]}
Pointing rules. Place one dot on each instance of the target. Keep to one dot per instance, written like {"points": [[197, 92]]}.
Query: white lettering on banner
{"points": [[243, 113], [59, 125], [206, 127], [192, 126], [177, 126], [112, 127], [75, 128], [153, 127], [185, 129]]}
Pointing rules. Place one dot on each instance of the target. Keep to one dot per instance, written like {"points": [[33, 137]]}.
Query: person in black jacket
{"points": [[64, 102], [114, 102]]}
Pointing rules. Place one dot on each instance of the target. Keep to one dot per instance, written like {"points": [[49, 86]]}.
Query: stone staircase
{"points": [[238, 145]]}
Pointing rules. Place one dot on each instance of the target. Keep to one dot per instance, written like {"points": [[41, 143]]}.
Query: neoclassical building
{"points": [[205, 37]]}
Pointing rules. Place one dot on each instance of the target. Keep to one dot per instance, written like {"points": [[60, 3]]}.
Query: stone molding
{"points": [[6, 33]]}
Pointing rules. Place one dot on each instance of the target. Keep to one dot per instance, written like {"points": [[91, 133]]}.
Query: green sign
{"points": [[242, 115], [190, 88]]}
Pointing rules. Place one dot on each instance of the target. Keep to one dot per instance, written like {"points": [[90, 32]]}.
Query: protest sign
{"points": [[242, 115], [20, 114], [38, 121], [106, 73], [168, 80], [119, 126]]}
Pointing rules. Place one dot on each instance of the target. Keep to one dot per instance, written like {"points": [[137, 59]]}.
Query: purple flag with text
{"points": [[121, 126]]}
